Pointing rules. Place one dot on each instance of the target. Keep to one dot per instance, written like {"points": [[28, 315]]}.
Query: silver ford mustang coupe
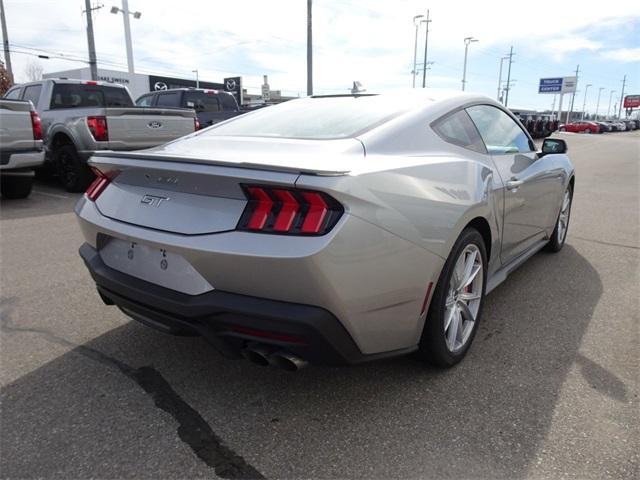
{"points": [[330, 229]]}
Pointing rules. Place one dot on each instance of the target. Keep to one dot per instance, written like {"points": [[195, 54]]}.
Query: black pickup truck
{"points": [[211, 106]]}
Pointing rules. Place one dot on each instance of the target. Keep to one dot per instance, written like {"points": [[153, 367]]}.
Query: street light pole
{"points": [[467, 41], [127, 30], [309, 50], [426, 44], [610, 97], [500, 80], [584, 103], [598, 102], [624, 83], [415, 50], [197, 79]]}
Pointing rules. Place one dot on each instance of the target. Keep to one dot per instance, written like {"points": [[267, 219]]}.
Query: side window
{"points": [[171, 99], [228, 102], [32, 93], [13, 94], [501, 134], [144, 101], [457, 128], [202, 102]]}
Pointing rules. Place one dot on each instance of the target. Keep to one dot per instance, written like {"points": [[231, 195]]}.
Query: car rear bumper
{"points": [[230, 321], [20, 160]]}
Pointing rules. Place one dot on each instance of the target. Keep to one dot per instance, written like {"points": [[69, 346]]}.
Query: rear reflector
{"points": [[280, 337], [98, 128], [288, 211]]}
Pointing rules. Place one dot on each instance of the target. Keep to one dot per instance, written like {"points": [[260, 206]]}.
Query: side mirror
{"points": [[554, 145]]}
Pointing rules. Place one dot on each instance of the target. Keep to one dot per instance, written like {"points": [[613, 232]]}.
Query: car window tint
{"points": [[501, 134], [13, 94], [171, 99], [144, 101], [68, 95], [32, 93], [458, 129], [202, 101]]}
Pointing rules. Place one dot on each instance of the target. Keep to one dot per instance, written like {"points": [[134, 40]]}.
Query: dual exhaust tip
{"points": [[265, 356]]}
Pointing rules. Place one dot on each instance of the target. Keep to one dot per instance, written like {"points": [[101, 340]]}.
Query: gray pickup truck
{"points": [[82, 117], [20, 147]]}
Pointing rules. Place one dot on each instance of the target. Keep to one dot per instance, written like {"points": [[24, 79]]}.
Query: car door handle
{"points": [[514, 183]]}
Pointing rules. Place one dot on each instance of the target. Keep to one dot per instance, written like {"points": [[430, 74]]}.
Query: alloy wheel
{"points": [[563, 218], [463, 298]]}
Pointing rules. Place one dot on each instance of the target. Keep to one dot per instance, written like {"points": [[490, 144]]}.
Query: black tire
{"points": [[15, 186], [73, 173], [555, 243], [588, 130], [433, 347]]}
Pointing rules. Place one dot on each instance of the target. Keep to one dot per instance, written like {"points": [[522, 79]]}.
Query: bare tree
{"points": [[33, 71]]}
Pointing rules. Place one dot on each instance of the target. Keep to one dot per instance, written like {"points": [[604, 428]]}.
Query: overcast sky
{"points": [[366, 40]]}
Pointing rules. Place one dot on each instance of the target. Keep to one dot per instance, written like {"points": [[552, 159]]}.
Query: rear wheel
{"points": [[588, 130], [562, 129], [73, 173], [15, 186], [456, 305], [559, 235]]}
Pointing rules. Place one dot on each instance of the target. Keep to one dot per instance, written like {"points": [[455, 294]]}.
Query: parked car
{"points": [[604, 127], [629, 124], [211, 106], [82, 117], [20, 147], [615, 127], [334, 229], [579, 127]]}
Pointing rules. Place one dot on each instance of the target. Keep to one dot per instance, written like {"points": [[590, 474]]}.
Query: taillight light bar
{"points": [[98, 128], [101, 182], [288, 211]]}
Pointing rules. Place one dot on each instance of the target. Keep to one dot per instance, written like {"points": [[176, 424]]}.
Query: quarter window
{"points": [[458, 129], [501, 134], [144, 101], [32, 93], [13, 94]]}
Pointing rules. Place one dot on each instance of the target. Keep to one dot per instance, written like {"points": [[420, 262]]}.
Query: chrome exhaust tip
{"points": [[258, 355], [287, 361]]}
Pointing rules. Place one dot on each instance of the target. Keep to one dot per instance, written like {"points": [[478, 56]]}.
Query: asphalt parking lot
{"points": [[548, 390]]}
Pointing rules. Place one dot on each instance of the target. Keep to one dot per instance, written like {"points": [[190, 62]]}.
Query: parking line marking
{"points": [[54, 195]]}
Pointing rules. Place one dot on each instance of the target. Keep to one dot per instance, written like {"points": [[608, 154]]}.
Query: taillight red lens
{"points": [[289, 211], [36, 126], [98, 128], [99, 184]]}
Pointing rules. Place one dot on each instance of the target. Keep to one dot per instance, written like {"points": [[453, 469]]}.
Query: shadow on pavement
{"points": [[397, 418]]}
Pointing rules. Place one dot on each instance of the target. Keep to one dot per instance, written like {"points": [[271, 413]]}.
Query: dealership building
{"points": [[139, 84]]}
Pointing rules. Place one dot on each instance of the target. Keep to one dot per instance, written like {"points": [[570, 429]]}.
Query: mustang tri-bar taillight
{"points": [[288, 211]]}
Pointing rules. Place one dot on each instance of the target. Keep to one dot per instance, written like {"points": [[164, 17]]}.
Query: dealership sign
{"points": [[557, 85], [632, 101]]}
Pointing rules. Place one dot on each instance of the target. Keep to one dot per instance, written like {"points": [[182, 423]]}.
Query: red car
{"points": [[580, 127]]}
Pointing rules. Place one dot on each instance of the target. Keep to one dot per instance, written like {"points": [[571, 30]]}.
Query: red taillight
{"points": [[36, 126], [99, 184], [289, 211], [196, 124], [98, 128], [91, 82]]}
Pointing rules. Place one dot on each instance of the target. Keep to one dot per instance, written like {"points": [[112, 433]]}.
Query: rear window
{"points": [[201, 101], [171, 99], [66, 95], [317, 118]]}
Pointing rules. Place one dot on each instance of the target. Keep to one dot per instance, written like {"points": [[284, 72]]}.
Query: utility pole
{"points": [[609, 107], [309, 51], [499, 96], [573, 97], [426, 44], [93, 63], [598, 102], [584, 104], [467, 41], [127, 34], [624, 82], [415, 51], [506, 100], [5, 41]]}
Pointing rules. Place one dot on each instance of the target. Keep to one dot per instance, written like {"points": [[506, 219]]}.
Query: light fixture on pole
{"points": [[584, 103], [598, 103], [197, 79], [610, 97], [127, 30], [467, 41], [415, 49]]}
